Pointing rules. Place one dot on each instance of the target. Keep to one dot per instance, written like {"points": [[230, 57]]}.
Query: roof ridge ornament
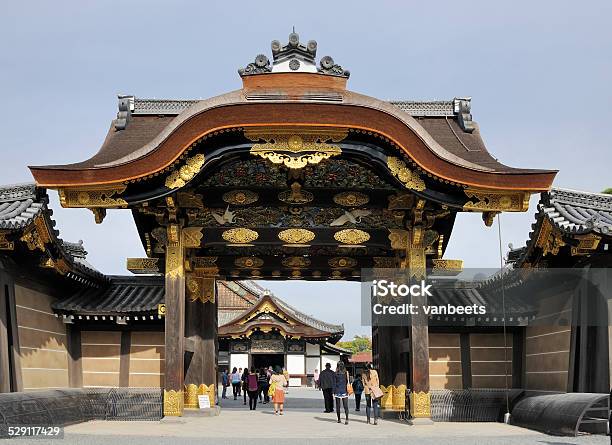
{"points": [[293, 57]]}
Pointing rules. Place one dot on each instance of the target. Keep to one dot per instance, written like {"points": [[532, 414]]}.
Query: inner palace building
{"points": [[292, 176]]}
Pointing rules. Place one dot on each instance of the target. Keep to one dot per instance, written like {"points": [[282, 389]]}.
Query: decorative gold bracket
{"points": [[5, 244], [93, 197], [409, 178], [496, 200], [143, 265], [178, 178], [295, 147]]}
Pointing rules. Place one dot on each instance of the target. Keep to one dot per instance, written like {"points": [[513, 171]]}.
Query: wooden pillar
{"points": [[519, 347], [466, 360], [201, 331], [174, 322], [5, 366], [124, 360], [420, 399], [75, 363]]}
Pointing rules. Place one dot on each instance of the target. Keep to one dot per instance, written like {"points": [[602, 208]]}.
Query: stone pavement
{"points": [[303, 423]]}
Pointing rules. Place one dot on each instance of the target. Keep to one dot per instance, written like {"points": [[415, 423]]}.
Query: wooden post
{"points": [[201, 330], [420, 399], [466, 360], [5, 367], [75, 364], [124, 361], [174, 322]]}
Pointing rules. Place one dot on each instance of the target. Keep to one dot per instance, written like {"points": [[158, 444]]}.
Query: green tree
{"points": [[608, 191], [360, 343]]}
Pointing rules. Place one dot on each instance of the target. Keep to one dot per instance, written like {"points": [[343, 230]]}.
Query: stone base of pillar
{"points": [[173, 403]]}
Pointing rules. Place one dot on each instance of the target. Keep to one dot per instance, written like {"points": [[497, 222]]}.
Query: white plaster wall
{"points": [[332, 359], [295, 364], [313, 349], [313, 363]]}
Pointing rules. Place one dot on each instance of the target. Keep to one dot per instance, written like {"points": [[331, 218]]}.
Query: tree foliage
{"points": [[360, 343], [608, 191]]}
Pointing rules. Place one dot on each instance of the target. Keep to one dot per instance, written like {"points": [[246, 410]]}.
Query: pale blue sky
{"points": [[538, 71]]}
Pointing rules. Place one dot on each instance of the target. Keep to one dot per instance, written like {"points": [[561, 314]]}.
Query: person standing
{"points": [[225, 382], [252, 388], [316, 379], [358, 390], [235, 378], [326, 383], [341, 395], [371, 387], [244, 383], [240, 387], [263, 383], [279, 382], [286, 375]]}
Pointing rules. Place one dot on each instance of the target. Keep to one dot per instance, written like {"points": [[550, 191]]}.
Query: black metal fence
{"points": [[60, 407], [470, 405]]}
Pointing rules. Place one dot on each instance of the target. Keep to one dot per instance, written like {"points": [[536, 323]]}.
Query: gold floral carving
{"points": [[161, 309], [91, 197], [178, 178], [248, 262], [143, 265], [240, 236], [32, 240], [420, 404], [399, 238], [5, 244], [442, 266], [192, 237], [296, 262], [549, 239], [342, 262], [409, 178], [351, 236], [190, 200], [191, 396], [386, 401], [496, 201], [296, 195], [296, 236], [208, 390], [586, 244], [204, 261], [384, 262], [175, 253], [173, 403], [351, 199], [295, 147], [240, 197], [399, 398]]}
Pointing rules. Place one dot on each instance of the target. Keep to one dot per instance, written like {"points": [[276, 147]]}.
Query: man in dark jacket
{"points": [[326, 381]]}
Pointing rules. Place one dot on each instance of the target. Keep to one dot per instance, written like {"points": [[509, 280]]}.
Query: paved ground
{"points": [[303, 423]]}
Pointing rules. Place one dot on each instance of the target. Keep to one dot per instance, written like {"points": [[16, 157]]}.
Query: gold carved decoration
{"points": [[37, 236], [351, 236], [175, 253], [410, 179], [92, 197], [398, 399], [415, 254], [586, 244], [342, 262], [191, 396], [496, 201], [173, 403], [386, 401], [189, 200], [240, 236], [204, 261], [296, 195], [248, 262], [420, 404], [240, 197], [208, 390], [384, 262], [5, 244], [192, 237], [295, 147], [296, 237], [201, 284], [351, 199], [447, 267], [178, 178], [549, 239], [143, 265], [401, 201], [296, 262], [161, 310], [399, 238], [99, 214]]}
